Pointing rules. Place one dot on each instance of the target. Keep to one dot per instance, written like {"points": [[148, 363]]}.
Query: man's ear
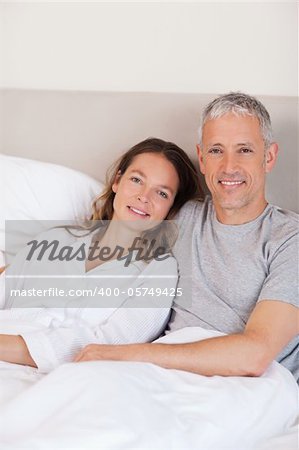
{"points": [[116, 182], [200, 159], [271, 157]]}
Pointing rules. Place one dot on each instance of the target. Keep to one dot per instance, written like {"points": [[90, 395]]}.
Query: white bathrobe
{"points": [[134, 309]]}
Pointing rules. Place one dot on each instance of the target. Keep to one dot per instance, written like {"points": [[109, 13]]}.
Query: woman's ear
{"points": [[116, 182]]}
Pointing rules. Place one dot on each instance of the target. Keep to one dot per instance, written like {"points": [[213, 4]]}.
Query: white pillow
{"points": [[42, 191]]}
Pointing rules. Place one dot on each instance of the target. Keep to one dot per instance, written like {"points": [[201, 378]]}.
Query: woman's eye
{"points": [[163, 194], [135, 180]]}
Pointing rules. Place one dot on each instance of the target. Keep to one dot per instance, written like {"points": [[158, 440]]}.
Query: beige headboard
{"points": [[89, 130]]}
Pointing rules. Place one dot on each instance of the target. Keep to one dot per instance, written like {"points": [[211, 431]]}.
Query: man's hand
{"points": [[99, 352], [271, 326]]}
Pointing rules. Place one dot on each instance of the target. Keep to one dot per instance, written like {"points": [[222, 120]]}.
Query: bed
{"points": [[66, 140]]}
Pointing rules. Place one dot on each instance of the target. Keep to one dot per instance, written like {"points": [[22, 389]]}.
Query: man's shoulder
{"points": [[193, 208], [283, 221]]}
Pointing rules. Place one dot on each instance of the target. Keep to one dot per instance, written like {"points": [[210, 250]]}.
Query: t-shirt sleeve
{"points": [[141, 318], [281, 282], [186, 212]]}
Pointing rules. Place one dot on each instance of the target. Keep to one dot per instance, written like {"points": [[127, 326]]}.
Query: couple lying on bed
{"points": [[236, 258]]}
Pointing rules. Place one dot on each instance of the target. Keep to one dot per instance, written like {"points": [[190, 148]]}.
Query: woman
{"points": [[148, 184]]}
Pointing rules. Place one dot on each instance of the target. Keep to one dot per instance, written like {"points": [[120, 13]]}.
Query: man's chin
{"points": [[230, 204]]}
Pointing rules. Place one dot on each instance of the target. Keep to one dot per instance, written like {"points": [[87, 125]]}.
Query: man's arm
{"points": [[270, 327]]}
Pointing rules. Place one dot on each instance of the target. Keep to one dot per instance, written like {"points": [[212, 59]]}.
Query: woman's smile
{"points": [[138, 212]]}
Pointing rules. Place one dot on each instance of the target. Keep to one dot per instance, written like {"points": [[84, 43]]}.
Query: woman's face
{"points": [[146, 191]]}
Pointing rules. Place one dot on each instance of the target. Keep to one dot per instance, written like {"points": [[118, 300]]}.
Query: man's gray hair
{"points": [[241, 105]]}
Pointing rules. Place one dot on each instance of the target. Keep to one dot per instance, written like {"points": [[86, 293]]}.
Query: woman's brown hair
{"points": [[165, 234]]}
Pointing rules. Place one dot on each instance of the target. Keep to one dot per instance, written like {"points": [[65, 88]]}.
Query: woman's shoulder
{"points": [[64, 235]]}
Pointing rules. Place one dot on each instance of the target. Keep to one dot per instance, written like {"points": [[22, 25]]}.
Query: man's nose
{"points": [[229, 163]]}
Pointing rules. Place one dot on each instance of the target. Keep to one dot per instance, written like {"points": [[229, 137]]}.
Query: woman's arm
{"points": [[127, 324], [50, 347], [14, 350]]}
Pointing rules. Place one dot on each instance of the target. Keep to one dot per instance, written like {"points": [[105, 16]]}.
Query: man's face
{"points": [[234, 162]]}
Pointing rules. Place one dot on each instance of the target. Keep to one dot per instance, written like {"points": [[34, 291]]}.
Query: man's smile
{"points": [[231, 183]]}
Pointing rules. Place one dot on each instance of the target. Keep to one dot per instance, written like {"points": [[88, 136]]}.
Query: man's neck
{"points": [[239, 216]]}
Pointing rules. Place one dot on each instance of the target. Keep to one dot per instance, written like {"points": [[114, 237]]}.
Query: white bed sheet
{"points": [[120, 405], [287, 441]]}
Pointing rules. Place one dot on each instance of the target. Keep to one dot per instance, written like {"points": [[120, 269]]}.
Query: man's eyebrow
{"points": [[218, 144], [248, 144], [215, 143], [139, 172]]}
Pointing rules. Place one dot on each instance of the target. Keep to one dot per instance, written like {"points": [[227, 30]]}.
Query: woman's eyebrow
{"points": [[139, 172]]}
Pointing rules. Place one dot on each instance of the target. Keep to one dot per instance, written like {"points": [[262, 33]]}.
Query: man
{"points": [[244, 256]]}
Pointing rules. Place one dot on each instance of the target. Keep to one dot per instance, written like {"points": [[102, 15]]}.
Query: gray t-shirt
{"points": [[226, 269]]}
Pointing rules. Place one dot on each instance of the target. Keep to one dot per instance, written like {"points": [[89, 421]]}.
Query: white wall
{"points": [[163, 46]]}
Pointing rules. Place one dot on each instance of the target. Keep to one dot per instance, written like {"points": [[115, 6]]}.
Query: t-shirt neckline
{"points": [[240, 228]]}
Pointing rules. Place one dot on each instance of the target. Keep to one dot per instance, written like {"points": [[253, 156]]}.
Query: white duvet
{"points": [[120, 405]]}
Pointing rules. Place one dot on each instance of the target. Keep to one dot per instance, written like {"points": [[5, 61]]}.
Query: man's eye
{"points": [[246, 150], [214, 151], [163, 194]]}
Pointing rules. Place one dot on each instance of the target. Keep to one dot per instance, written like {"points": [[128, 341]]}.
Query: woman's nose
{"points": [[143, 196]]}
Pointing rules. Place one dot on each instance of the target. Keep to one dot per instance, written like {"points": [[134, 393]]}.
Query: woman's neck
{"points": [[118, 235]]}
